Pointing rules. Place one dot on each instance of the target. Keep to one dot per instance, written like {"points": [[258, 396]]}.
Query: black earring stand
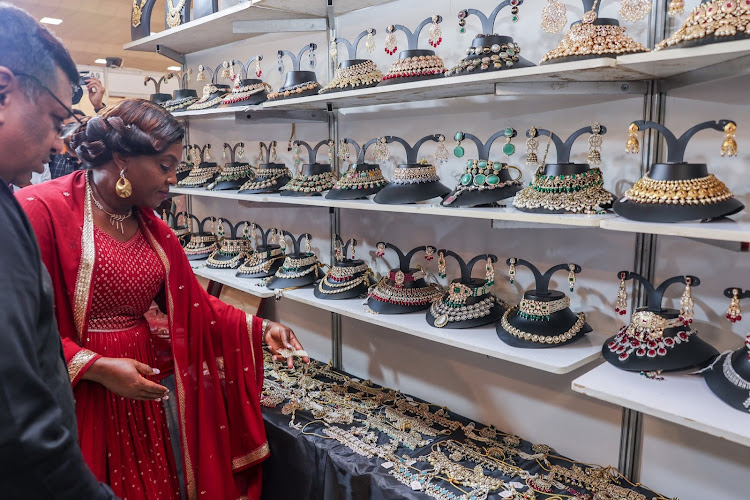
{"points": [[497, 309], [563, 165], [234, 183], [710, 39], [309, 169], [280, 182], [413, 51], [244, 81], [404, 266], [399, 194], [296, 76], [202, 233], [158, 97], [337, 193], [600, 21], [202, 165], [489, 38], [359, 290], [353, 61], [183, 232], [264, 249], [676, 169], [181, 93], [734, 396], [486, 197], [693, 353], [244, 245], [559, 322], [277, 283], [221, 89], [144, 28], [183, 170], [203, 8]]}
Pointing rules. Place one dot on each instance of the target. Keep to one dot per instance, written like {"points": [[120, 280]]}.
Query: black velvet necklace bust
{"points": [[361, 179], [297, 83], [484, 182], [544, 318], [232, 251], [469, 302], [677, 191], [414, 64], [413, 181], [234, 173], [348, 278], [314, 178], [266, 259], [403, 289], [657, 339], [355, 73], [202, 243], [299, 269]]}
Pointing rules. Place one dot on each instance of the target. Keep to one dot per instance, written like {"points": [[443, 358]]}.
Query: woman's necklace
{"points": [[114, 219]]}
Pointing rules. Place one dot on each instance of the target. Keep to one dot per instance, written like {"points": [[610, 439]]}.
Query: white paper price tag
{"points": [[416, 486], [386, 465], [506, 494], [410, 462], [516, 484]]}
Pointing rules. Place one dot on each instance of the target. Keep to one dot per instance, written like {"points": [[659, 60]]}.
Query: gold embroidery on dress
{"points": [[78, 361], [251, 457], [249, 322], [86, 267]]}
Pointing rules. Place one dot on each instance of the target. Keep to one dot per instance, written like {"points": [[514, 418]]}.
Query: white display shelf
{"points": [[680, 398], [254, 113], [216, 112], [500, 213], [725, 230], [484, 340], [592, 70], [676, 61], [217, 29]]}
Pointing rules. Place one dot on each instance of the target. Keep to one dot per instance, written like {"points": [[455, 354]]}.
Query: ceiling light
{"points": [[100, 61], [50, 20], [174, 68]]}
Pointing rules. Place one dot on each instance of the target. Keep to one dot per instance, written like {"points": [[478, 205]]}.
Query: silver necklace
{"points": [[732, 376], [114, 219]]}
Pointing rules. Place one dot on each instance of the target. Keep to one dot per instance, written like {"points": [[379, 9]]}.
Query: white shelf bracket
{"points": [[170, 54]]}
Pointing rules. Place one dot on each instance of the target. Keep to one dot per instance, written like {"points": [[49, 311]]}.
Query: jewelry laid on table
{"points": [[543, 339]]}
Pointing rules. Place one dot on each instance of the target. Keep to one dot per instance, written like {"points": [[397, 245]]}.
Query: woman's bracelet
{"points": [[264, 329]]}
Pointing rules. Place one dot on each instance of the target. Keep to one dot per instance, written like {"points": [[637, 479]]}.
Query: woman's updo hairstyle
{"points": [[131, 127]]}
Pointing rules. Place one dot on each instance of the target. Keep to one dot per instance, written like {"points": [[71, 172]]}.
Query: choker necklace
{"points": [[415, 175], [538, 310], [576, 193], [114, 219], [201, 245], [701, 191], [446, 312], [383, 292], [261, 262], [542, 339], [293, 90], [367, 179], [735, 378]]}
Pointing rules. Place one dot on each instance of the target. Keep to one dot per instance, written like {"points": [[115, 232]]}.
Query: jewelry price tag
{"points": [[386, 465], [416, 486], [506, 494], [410, 462], [516, 485]]}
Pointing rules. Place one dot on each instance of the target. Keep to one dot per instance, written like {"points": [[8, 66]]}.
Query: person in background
{"points": [[39, 453], [96, 93], [66, 162]]}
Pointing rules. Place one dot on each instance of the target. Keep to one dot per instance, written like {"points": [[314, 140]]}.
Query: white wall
{"points": [[538, 406]]}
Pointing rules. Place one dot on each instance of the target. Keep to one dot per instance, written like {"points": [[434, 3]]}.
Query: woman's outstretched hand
{"points": [[280, 338], [126, 377]]}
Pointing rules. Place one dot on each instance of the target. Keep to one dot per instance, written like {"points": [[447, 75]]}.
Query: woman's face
{"points": [[152, 176]]}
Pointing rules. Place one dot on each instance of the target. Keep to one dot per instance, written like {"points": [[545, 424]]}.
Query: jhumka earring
{"points": [[686, 303], [370, 42], [343, 152], [123, 188], [441, 153], [634, 10], [729, 146], [311, 58], [554, 16], [512, 270], [390, 40], [734, 313], [381, 151], [532, 145], [380, 250], [595, 145], [489, 272], [308, 249], [621, 304], [436, 33], [429, 253], [208, 153], [334, 50], [571, 276], [280, 62], [273, 152], [296, 158], [258, 69], [458, 150], [632, 146], [241, 151], [676, 8], [508, 148], [441, 265], [331, 156], [201, 76], [225, 73]]}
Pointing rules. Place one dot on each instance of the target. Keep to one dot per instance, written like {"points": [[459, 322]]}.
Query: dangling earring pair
{"points": [[344, 152], [512, 270], [729, 146], [390, 40], [489, 273], [331, 155], [621, 304], [686, 303]]}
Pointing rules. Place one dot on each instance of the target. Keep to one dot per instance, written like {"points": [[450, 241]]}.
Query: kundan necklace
{"points": [[114, 219]]}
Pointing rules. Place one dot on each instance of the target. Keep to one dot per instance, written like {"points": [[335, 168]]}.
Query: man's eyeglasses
{"points": [[70, 127]]}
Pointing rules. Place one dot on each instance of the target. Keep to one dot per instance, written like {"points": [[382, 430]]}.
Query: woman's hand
{"points": [[125, 377], [278, 336]]}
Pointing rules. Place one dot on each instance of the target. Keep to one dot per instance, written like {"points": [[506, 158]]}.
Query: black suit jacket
{"points": [[39, 454]]}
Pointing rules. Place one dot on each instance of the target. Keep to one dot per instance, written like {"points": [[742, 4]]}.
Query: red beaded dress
{"points": [[130, 448]]}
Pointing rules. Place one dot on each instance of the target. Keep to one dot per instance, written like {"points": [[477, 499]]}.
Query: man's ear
{"points": [[8, 83]]}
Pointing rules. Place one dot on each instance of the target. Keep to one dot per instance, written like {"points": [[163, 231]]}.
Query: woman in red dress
{"points": [[110, 256]]}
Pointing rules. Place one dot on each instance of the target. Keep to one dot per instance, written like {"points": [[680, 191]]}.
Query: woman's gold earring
{"points": [[123, 188]]}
